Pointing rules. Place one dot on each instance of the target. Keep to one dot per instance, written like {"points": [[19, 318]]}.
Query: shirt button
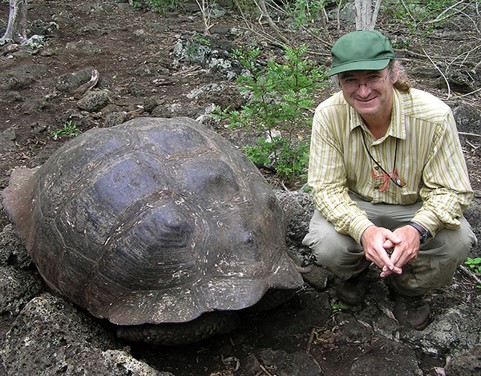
{"points": [[376, 168]]}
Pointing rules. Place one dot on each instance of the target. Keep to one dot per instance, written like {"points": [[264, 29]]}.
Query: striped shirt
{"points": [[421, 143]]}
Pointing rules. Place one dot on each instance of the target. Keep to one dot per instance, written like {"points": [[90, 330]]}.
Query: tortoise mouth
{"points": [[182, 304]]}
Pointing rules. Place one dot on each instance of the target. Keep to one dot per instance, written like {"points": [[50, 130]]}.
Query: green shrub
{"points": [[279, 110], [305, 12], [475, 265], [69, 129], [339, 308]]}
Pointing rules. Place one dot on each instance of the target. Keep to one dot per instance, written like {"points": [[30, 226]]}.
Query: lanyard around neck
{"points": [[393, 176]]}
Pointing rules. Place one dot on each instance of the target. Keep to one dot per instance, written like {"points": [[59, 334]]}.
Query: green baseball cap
{"points": [[361, 50]]}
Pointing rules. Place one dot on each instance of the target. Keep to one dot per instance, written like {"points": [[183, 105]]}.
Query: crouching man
{"points": [[388, 179]]}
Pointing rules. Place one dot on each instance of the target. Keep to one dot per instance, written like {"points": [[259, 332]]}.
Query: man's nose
{"points": [[363, 90]]}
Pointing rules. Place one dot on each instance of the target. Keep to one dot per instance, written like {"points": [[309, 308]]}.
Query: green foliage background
{"points": [[279, 109]]}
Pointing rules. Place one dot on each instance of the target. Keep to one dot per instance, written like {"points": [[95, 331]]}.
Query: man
{"points": [[388, 179]]}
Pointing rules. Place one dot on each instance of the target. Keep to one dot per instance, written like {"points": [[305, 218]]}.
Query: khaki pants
{"points": [[434, 267]]}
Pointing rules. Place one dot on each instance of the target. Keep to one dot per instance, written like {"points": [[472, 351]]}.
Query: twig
{"points": [[338, 15], [474, 147], [284, 186], [469, 134], [205, 10], [325, 42], [472, 20], [470, 93], [311, 339], [82, 89], [440, 71], [239, 8], [265, 370], [261, 4], [438, 18], [249, 27], [467, 53], [321, 370], [188, 71], [408, 12], [375, 13], [266, 36], [470, 273], [410, 53]]}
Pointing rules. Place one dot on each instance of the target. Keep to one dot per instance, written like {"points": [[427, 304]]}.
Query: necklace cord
{"points": [[398, 181]]}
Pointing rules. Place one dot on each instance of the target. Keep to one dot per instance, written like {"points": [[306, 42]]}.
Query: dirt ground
{"points": [[134, 61]]}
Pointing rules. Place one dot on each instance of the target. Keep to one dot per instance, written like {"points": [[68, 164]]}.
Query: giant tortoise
{"points": [[160, 226]]}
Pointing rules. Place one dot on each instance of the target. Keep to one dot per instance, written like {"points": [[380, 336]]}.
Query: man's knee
{"points": [[452, 244], [436, 263], [336, 252], [326, 247]]}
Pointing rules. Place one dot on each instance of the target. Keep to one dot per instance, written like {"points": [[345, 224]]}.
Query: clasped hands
{"points": [[390, 250]]}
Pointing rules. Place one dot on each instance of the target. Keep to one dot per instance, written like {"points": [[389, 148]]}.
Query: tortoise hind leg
{"points": [[205, 326]]}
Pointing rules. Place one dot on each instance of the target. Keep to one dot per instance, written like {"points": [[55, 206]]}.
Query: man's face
{"points": [[368, 92]]}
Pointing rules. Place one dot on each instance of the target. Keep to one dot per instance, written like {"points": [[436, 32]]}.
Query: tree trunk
{"points": [[366, 16], [17, 22]]}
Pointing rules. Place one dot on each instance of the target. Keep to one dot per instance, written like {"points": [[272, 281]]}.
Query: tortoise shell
{"points": [[152, 221]]}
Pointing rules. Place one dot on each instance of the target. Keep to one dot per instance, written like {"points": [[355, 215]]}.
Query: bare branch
{"points": [[475, 24], [205, 10], [261, 4], [338, 15], [440, 71], [408, 12], [470, 93], [375, 13], [470, 274], [469, 134], [440, 18]]}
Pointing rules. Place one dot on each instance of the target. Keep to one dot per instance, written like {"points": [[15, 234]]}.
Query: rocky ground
{"points": [[152, 64]]}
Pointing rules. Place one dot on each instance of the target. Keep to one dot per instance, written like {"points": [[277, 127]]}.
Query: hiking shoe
{"points": [[352, 291], [412, 311]]}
